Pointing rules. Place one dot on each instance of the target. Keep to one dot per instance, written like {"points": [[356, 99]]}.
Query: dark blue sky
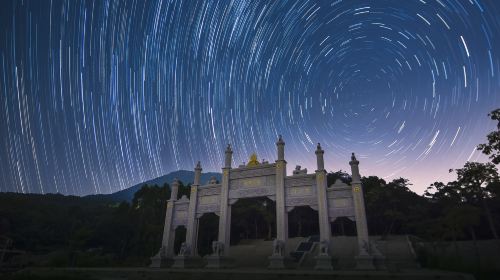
{"points": [[96, 96]]}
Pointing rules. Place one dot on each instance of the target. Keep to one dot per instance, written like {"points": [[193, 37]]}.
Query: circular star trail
{"points": [[96, 96]]}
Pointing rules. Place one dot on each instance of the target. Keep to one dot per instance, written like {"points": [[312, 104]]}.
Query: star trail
{"points": [[96, 96]]}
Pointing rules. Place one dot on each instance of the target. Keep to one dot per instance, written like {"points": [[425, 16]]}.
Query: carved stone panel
{"points": [[301, 201], [244, 183], [300, 180], [334, 213], [208, 208], [180, 218], [299, 191], [333, 193], [252, 187], [209, 199], [209, 190], [340, 202], [340, 207], [181, 206], [251, 192], [248, 172]]}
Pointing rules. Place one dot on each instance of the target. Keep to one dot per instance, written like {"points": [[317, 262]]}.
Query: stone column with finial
{"points": [[281, 214], [323, 260], [167, 243], [277, 259], [225, 208], [168, 230], [191, 237], [364, 260], [321, 185]]}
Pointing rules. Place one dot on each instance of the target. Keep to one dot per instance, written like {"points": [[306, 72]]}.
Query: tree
{"points": [[371, 183], [475, 180], [392, 207], [447, 195], [459, 218], [492, 148]]}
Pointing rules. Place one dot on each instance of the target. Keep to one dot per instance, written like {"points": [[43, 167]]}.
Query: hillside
{"points": [[185, 176]]}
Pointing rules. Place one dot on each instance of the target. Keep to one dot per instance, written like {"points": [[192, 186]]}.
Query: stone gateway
{"points": [[265, 180]]}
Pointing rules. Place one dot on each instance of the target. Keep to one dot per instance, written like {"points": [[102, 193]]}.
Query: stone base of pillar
{"points": [[218, 262], [276, 262], [187, 262], [323, 262], [364, 262], [159, 262], [156, 260]]}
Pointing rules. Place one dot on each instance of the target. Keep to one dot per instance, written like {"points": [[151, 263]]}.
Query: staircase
{"points": [[303, 248], [254, 253]]}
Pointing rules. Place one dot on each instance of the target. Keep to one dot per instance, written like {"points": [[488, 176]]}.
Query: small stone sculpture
{"points": [[212, 181], [185, 249], [278, 247], [217, 248], [323, 248], [365, 248]]}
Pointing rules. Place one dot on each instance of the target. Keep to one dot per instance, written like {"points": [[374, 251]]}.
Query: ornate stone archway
{"points": [[270, 180]]}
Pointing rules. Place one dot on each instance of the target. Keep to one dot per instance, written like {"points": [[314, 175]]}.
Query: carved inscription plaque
{"points": [[244, 183], [210, 199], [300, 191], [180, 218], [341, 202], [181, 215]]}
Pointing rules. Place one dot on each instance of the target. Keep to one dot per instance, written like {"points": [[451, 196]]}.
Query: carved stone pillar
{"points": [[281, 214], [168, 232], [175, 189], [323, 260], [225, 210], [364, 260], [191, 234], [167, 243], [277, 259], [321, 185]]}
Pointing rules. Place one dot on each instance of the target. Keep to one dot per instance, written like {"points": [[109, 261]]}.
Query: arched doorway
{"points": [[180, 236], [343, 226], [303, 221], [253, 218], [208, 229]]}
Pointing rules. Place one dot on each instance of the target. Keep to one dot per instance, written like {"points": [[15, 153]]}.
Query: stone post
{"points": [[321, 186], [168, 231], [323, 260], [191, 237], [364, 260], [281, 214], [320, 161], [174, 191], [277, 259], [167, 243], [229, 155], [225, 210]]}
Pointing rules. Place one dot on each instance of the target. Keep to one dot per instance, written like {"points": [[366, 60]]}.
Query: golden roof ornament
{"points": [[253, 160]]}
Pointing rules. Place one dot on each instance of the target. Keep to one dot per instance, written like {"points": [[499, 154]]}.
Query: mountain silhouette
{"points": [[185, 176]]}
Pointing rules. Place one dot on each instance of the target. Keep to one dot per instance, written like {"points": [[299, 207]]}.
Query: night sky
{"points": [[96, 96]]}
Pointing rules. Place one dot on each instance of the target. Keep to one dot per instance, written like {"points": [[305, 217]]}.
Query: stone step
{"points": [[255, 253]]}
